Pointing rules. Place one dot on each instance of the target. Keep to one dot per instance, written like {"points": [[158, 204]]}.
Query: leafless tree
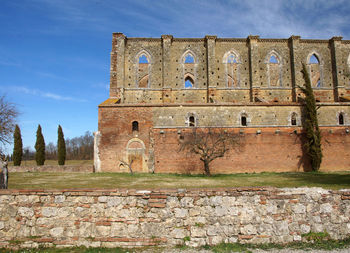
{"points": [[8, 115], [80, 148], [51, 151], [127, 164], [209, 144]]}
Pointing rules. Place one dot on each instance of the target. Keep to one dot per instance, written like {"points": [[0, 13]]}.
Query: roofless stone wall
{"points": [[230, 70], [128, 218]]}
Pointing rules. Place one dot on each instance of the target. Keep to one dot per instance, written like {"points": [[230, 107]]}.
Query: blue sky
{"points": [[55, 54]]}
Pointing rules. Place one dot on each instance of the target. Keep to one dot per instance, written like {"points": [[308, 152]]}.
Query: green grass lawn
{"points": [[52, 180]]}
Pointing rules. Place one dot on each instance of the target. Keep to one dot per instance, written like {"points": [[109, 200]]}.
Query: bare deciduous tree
{"points": [[209, 144], [127, 164], [8, 115]]}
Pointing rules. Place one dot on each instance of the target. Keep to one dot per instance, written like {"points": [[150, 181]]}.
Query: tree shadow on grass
{"points": [[339, 180]]}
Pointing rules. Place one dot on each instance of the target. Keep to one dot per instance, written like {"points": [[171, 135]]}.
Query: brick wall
{"points": [[276, 148], [129, 218], [266, 151]]}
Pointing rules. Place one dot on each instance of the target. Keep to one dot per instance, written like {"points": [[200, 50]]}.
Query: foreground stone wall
{"points": [[194, 217], [53, 168]]}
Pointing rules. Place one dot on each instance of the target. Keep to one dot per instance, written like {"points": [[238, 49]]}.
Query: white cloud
{"points": [[44, 94], [100, 85], [193, 18], [51, 75]]}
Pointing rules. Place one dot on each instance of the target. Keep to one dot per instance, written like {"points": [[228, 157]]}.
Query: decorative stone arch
{"points": [[232, 61], [344, 116], [315, 70], [143, 70], [191, 119], [274, 70], [243, 117], [191, 53], [136, 155], [189, 70], [294, 116], [132, 141]]}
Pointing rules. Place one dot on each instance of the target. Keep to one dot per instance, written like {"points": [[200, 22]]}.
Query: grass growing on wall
{"points": [[51, 180], [220, 248]]}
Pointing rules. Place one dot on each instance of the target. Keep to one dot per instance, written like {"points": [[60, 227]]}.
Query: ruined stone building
{"points": [[162, 87]]}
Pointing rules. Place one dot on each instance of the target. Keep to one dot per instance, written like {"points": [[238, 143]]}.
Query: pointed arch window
{"points": [[143, 69], [293, 119], [341, 119], [143, 59], [189, 80], [274, 69], [191, 120], [244, 119], [189, 68], [189, 59], [232, 62], [315, 70], [135, 126]]}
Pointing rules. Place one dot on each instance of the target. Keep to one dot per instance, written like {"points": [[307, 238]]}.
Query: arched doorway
{"points": [[135, 150]]}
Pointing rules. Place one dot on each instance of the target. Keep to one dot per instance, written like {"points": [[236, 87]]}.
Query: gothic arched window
{"points": [[189, 83], [191, 120], [341, 119], [274, 69], [244, 119], [293, 119], [189, 69], [143, 69], [232, 63], [135, 126], [315, 72]]}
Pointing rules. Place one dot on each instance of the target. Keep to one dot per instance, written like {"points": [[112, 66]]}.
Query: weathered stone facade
{"points": [[195, 217], [163, 86]]}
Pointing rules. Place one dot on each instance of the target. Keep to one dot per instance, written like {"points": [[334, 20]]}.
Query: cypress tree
{"points": [[61, 147], [310, 124], [39, 147], [17, 147]]}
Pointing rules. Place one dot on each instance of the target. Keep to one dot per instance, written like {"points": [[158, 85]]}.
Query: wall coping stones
{"points": [[161, 193]]}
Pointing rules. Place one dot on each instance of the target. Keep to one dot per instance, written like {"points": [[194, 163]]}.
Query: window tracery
{"points": [[232, 62], [189, 66], [274, 69], [315, 70], [143, 69]]}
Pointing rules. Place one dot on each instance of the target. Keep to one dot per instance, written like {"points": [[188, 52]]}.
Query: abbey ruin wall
{"points": [[163, 87], [251, 76]]}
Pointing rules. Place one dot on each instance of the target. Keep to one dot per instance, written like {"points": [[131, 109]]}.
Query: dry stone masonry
{"points": [[195, 217], [162, 87]]}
